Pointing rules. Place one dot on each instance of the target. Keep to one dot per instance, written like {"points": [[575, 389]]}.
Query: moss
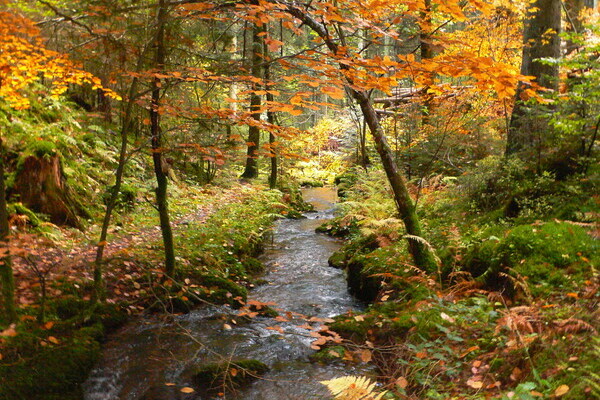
{"points": [[69, 307], [231, 375], [338, 227], [549, 255], [337, 260], [212, 288], [110, 316], [345, 181], [49, 372], [311, 183], [20, 209], [253, 266], [328, 354], [125, 200], [351, 329], [361, 283], [41, 148]]}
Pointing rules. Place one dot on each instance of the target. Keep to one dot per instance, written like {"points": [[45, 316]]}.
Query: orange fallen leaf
{"points": [[54, 340], [561, 390], [366, 356], [187, 390], [402, 382], [10, 331]]}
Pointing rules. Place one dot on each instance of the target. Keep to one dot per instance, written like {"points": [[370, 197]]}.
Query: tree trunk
{"points": [[421, 253], [156, 140], [251, 169], [573, 9], [7, 284], [541, 40], [270, 120], [426, 53], [41, 186], [99, 288]]}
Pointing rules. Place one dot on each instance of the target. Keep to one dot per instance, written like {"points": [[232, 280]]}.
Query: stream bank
{"points": [[155, 359]]}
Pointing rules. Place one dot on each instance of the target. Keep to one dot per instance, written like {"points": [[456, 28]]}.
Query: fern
{"points": [[353, 388]]}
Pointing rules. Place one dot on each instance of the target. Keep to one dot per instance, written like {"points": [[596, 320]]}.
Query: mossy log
{"points": [[41, 186]]}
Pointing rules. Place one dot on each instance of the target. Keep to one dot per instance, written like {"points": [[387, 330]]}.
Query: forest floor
{"points": [[74, 263]]}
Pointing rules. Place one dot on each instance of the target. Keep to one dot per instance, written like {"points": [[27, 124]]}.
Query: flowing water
{"points": [[142, 358]]}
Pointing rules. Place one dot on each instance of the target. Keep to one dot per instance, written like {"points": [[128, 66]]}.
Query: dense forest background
{"points": [[146, 147]]}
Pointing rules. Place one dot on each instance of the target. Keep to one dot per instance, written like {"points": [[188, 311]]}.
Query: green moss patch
{"points": [[228, 376]]}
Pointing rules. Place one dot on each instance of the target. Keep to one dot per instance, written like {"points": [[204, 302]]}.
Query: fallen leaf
{"points": [[187, 390], [227, 327], [402, 382], [233, 371], [10, 331], [169, 384], [475, 384], [366, 355], [54, 340], [446, 317], [562, 389]]}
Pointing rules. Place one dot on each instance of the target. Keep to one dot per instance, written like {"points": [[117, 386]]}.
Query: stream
{"points": [[139, 360]]}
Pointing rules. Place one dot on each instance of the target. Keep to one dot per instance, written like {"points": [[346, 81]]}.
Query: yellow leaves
{"points": [[23, 59], [475, 384], [561, 390], [353, 388]]}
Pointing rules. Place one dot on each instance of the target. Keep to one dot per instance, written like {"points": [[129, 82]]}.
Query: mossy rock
{"points": [[360, 282], [345, 181], [349, 328], [214, 289], [338, 260], [328, 354], [231, 375], [264, 311], [111, 316], [311, 183], [337, 227], [51, 372], [253, 266], [549, 255], [69, 307]]}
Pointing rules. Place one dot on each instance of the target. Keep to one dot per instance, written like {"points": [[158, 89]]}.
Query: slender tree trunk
{"points": [[156, 139], [426, 53], [540, 40], [251, 169], [573, 9], [270, 119], [421, 253], [6, 273], [99, 288]]}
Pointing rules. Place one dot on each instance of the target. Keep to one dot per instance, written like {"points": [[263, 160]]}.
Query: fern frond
{"points": [[353, 388], [419, 239]]}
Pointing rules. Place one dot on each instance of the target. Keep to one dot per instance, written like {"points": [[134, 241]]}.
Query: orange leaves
{"points": [[23, 59], [333, 92]]}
